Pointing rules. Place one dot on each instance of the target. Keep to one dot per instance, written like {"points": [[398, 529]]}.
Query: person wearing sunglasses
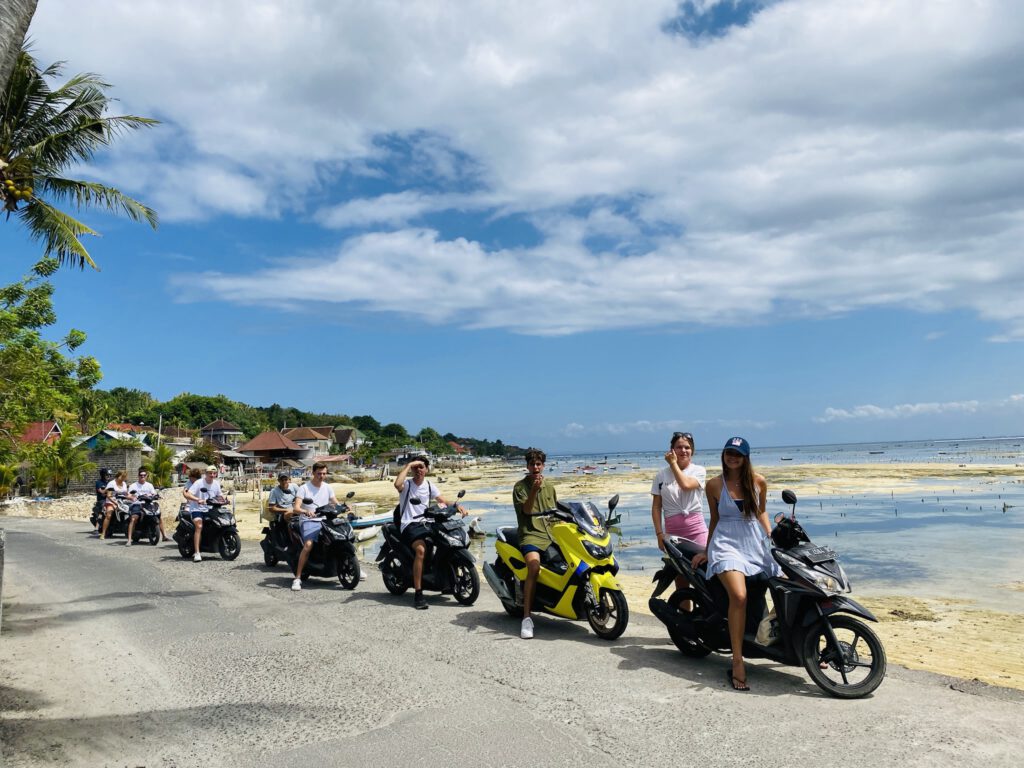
{"points": [[739, 543]]}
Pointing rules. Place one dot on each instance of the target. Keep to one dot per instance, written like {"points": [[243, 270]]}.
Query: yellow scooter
{"points": [[577, 573]]}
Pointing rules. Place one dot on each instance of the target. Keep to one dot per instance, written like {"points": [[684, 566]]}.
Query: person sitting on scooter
{"points": [[315, 493], [677, 492], [532, 496], [205, 488], [101, 496], [739, 541], [282, 496], [119, 485], [140, 487], [414, 530]]}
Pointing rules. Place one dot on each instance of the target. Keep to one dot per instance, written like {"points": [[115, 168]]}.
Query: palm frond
{"points": [[85, 194], [59, 233]]}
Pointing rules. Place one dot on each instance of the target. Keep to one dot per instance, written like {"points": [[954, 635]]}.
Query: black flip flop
{"points": [[733, 680]]}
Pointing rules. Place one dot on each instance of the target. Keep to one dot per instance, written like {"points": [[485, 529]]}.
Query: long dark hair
{"points": [[747, 485]]}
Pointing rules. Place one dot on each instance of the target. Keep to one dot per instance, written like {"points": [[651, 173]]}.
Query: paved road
{"points": [[133, 657]]}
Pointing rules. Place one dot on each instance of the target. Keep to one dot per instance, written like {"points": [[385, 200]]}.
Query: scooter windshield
{"points": [[588, 517]]}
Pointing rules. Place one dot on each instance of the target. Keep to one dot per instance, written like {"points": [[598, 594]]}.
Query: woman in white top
{"points": [[118, 485]]}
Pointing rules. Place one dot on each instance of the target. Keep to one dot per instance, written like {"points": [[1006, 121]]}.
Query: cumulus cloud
{"points": [[910, 410], [816, 157]]}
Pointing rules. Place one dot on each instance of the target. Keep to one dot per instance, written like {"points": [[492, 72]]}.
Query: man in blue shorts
{"points": [[316, 493], [202, 489], [531, 496]]}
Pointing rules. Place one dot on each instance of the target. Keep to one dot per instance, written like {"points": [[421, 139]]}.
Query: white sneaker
{"points": [[296, 585], [527, 630], [128, 543], [197, 558]]}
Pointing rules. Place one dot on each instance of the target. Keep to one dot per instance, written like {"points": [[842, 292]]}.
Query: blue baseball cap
{"points": [[737, 444]]}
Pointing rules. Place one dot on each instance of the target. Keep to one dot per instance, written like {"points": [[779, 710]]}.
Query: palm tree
{"points": [[160, 465], [15, 16], [8, 480], [60, 463], [42, 133]]}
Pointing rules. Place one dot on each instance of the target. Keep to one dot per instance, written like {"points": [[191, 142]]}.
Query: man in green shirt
{"points": [[531, 496]]}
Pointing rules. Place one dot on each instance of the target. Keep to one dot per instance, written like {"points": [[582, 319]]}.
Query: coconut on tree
{"points": [[46, 131]]}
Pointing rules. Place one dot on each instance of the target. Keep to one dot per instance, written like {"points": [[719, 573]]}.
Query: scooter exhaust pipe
{"points": [[499, 587]]}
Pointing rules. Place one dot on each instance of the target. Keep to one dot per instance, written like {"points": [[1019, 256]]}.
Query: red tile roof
{"points": [[269, 441], [41, 432], [304, 433]]}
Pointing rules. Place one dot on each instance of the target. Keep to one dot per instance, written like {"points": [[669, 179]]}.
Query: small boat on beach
{"points": [[370, 521], [785, 458], [365, 534]]}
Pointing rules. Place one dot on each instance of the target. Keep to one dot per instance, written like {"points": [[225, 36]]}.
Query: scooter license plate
{"points": [[819, 554]]}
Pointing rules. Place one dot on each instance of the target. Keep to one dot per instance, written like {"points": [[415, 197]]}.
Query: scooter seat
{"points": [[510, 535], [686, 546]]}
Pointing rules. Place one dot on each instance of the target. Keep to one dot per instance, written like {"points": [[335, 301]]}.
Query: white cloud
{"points": [[829, 157], [644, 426], [911, 410]]}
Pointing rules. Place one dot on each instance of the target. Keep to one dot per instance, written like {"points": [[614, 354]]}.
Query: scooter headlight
{"points": [[596, 551], [823, 581]]}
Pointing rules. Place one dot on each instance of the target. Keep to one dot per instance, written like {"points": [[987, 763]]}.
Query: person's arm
{"points": [[187, 493], [713, 491], [684, 481], [762, 496], [656, 520], [402, 474]]}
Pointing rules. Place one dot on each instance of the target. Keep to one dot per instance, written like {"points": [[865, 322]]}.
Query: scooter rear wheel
{"points": [[859, 666], [185, 549], [609, 620], [269, 559], [394, 582], [686, 646]]}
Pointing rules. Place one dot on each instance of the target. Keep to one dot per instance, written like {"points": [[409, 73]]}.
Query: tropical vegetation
{"points": [[160, 465], [56, 466], [44, 132]]}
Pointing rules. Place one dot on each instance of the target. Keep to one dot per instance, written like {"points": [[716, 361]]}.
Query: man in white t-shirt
{"points": [[413, 528], [317, 492], [202, 489], [141, 487]]}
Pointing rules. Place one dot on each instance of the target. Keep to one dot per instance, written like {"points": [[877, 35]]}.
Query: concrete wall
{"points": [[128, 459]]}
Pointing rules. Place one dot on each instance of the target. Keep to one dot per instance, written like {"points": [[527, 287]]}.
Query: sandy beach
{"points": [[948, 636]]}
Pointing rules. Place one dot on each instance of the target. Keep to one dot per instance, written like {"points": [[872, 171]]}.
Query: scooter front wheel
{"points": [[855, 668], [348, 571], [610, 616], [229, 546], [185, 549], [465, 583], [269, 559], [391, 572]]}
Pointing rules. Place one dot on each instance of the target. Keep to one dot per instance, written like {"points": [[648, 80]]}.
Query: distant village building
{"points": [[348, 438], [224, 433], [269, 448], [37, 432], [311, 438]]}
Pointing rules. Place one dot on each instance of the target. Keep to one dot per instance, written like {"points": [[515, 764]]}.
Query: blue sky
{"points": [[799, 221]]}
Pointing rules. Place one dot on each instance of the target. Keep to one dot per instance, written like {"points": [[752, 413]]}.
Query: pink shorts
{"points": [[689, 526]]}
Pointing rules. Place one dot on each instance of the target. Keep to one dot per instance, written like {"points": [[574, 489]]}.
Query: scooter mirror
{"points": [[461, 493], [789, 497], [415, 500], [613, 502], [350, 494]]}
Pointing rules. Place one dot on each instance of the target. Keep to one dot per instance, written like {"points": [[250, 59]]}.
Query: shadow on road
{"points": [[20, 699], [23, 619]]}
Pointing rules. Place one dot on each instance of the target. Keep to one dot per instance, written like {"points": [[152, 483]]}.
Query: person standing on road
{"points": [[101, 496], [316, 492], [532, 496], [205, 488], [413, 528]]}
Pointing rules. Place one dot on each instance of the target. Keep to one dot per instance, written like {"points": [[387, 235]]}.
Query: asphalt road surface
{"points": [[113, 656]]}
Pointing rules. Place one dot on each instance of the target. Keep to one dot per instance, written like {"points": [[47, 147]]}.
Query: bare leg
{"points": [[735, 584], [198, 522], [420, 548], [131, 526], [530, 586], [307, 547], [106, 523]]}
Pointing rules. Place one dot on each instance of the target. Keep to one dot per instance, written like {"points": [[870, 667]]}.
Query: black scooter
{"points": [[119, 517], [220, 533], [334, 552], [278, 538], [448, 565], [148, 526], [842, 655]]}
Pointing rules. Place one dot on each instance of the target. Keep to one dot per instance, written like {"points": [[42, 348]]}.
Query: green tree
{"points": [[366, 424], [8, 480], [37, 378], [205, 452], [160, 465], [45, 131], [93, 413], [394, 430], [59, 464]]}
